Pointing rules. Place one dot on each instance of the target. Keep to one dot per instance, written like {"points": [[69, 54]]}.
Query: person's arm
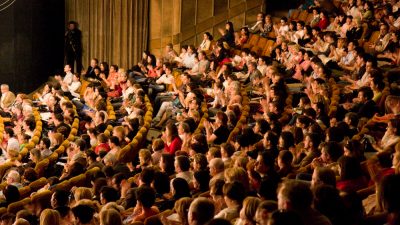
{"points": [[160, 80], [210, 136]]}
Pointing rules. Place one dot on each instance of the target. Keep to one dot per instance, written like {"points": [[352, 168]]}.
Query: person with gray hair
{"points": [[14, 178], [201, 211], [217, 168], [7, 97]]}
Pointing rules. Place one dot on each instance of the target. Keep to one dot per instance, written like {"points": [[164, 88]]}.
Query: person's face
{"points": [[383, 29], [368, 67], [346, 152], [314, 179], [283, 22], [227, 26], [284, 46], [261, 217], [390, 128], [71, 26], [180, 130], [93, 63], [162, 164], [324, 156], [307, 142], [3, 89], [395, 160], [361, 97], [259, 17], [299, 26], [281, 201], [267, 20], [67, 68], [348, 21], [122, 77], [260, 167], [350, 46]]}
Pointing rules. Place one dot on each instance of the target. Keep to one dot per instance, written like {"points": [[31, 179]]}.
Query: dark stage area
{"points": [[31, 42]]}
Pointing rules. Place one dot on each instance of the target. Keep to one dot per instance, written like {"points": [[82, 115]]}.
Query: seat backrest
{"points": [[254, 39]]}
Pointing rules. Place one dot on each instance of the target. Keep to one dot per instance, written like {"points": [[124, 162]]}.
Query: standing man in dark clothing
{"points": [[73, 46]]}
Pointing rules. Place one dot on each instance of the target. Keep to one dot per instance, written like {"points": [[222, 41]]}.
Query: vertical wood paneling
{"points": [[189, 19], [112, 30]]}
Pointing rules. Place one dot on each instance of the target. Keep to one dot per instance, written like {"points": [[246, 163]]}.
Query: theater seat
{"points": [[17, 206]]}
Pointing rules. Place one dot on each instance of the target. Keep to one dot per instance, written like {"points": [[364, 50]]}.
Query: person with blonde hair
{"points": [[21, 221], [181, 209], [82, 193], [110, 217], [145, 158], [248, 211], [237, 174], [50, 217]]}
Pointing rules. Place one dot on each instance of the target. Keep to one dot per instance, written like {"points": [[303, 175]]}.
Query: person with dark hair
{"points": [[285, 217], [108, 194], [161, 183], [7, 218], [201, 181], [172, 142], [297, 196], [145, 197], [11, 195], [323, 176], [146, 177], [179, 189], [227, 34], [234, 195], [351, 176], [83, 212], [311, 143], [182, 166], [284, 160], [391, 136], [330, 153], [218, 132], [73, 46], [167, 164], [264, 210], [60, 126], [328, 202], [265, 166], [365, 107]]}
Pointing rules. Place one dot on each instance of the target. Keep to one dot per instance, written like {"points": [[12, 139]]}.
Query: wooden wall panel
{"points": [[233, 3], [220, 7], [238, 21], [189, 13], [176, 22], [204, 10], [251, 15], [155, 25], [167, 17], [185, 21]]}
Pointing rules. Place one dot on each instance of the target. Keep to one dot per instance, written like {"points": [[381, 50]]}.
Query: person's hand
{"points": [[317, 162], [207, 125], [347, 105], [103, 76], [164, 137]]}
